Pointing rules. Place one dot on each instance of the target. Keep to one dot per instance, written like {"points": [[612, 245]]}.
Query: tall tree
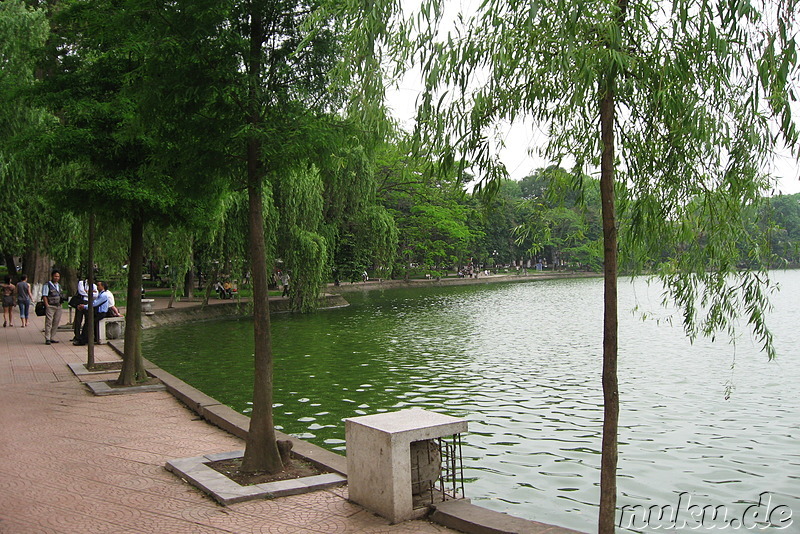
{"points": [[101, 158], [262, 94], [671, 100], [360, 232]]}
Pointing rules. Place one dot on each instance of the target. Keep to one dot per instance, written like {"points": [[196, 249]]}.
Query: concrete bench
{"points": [[111, 328], [147, 306]]}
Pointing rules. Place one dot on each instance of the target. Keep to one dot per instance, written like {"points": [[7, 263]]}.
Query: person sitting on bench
{"points": [[100, 304]]}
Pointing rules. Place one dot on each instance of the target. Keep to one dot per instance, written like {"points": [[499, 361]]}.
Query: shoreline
{"points": [[379, 284]]}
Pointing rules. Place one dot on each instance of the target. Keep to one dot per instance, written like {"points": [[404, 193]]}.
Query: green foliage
{"points": [[171, 246], [432, 216], [291, 99], [779, 219], [299, 199], [560, 218], [669, 100], [360, 233], [100, 158], [23, 31]]}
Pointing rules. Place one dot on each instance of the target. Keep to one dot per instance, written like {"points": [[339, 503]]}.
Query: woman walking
{"points": [[8, 301], [24, 299]]}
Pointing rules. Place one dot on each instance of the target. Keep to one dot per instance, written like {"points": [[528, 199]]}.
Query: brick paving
{"points": [[71, 462]]}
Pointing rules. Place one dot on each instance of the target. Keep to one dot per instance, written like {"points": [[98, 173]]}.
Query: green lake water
{"points": [[522, 363]]}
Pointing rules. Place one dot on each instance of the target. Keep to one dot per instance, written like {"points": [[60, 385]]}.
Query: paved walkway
{"points": [[74, 463]]}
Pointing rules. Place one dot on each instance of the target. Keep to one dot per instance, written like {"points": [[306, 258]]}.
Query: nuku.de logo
{"points": [[688, 516]]}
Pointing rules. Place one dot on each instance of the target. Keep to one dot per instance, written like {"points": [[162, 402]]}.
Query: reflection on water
{"points": [[522, 363]]}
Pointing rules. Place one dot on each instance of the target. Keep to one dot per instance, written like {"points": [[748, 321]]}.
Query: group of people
{"points": [[226, 290], [24, 298], [104, 306], [53, 297]]}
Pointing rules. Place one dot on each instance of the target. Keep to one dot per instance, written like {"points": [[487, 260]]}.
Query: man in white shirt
{"points": [[101, 312], [112, 305], [80, 312]]}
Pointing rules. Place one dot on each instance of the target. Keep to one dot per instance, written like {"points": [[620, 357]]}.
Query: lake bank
{"points": [[380, 284], [192, 310]]}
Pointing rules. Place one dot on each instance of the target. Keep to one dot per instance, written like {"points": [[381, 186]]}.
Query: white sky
{"points": [[524, 137]]}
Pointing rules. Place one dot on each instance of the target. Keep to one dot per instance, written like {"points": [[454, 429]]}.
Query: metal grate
{"points": [[437, 470]]}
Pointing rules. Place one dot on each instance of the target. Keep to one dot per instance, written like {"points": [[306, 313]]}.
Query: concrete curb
{"points": [[467, 517], [79, 370], [232, 421], [102, 388], [234, 308], [443, 282]]}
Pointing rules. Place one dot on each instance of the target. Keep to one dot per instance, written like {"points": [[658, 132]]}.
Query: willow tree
{"points": [[360, 233], [680, 104], [257, 93], [299, 193]]}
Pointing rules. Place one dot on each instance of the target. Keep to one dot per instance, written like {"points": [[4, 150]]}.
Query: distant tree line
{"points": [[404, 223]]}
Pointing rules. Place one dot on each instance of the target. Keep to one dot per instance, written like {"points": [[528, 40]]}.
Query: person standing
{"points": [[52, 296], [80, 313], [285, 281], [8, 301], [24, 299]]}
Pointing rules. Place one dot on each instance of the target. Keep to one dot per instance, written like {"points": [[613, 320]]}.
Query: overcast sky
{"points": [[522, 137]]}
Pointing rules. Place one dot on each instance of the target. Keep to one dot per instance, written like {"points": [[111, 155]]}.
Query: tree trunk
{"points": [[132, 364], [89, 325], [207, 293], [37, 266], [11, 265], [608, 462], [69, 279], [261, 449], [188, 283], [30, 266]]}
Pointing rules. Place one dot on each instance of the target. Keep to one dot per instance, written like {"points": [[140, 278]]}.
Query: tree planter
{"points": [[225, 491]]}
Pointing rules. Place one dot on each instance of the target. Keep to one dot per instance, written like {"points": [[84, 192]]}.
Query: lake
{"points": [[522, 362]]}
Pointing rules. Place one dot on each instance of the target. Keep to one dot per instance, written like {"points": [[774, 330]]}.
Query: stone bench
{"points": [[147, 306], [111, 328]]}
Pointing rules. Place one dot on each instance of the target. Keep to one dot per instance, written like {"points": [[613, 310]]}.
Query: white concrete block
{"points": [[379, 457], [111, 328]]}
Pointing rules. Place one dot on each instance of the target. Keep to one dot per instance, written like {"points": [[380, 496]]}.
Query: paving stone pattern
{"points": [[71, 462]]}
